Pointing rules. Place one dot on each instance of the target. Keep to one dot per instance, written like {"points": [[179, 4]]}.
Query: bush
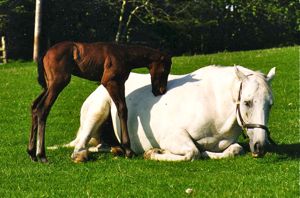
{"points": [[189, 27]]}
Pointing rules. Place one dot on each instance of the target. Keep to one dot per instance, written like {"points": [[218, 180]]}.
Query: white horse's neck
{"points": [[224, 87]]}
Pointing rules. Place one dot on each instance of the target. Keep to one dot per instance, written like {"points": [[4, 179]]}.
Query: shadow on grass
{"points": [[99, 156], [290, 150], [285, 150]]}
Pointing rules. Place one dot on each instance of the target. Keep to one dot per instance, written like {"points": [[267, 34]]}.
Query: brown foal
{"points": [[105, 62]]}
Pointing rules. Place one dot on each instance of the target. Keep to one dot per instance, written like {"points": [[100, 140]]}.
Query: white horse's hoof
{"points": [[148, 154], [234, 150], [80, 156]]}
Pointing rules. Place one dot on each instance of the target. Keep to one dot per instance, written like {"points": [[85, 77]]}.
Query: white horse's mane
{"points": [[260, 77]]}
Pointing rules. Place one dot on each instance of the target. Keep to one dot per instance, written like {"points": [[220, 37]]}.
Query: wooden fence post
{"points": [[3, 50]]}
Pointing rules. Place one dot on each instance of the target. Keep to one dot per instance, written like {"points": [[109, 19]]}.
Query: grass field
{"points": [[275, 175]]}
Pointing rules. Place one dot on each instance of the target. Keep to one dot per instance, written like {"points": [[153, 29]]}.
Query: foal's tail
{"points": [[40, 69]]}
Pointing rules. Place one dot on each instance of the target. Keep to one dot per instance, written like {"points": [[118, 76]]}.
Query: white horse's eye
{"points": [[248, 103]]}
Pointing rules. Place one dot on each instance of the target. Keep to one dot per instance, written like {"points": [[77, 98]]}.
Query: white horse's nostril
{"points": [[258, 150], [256, 147]]}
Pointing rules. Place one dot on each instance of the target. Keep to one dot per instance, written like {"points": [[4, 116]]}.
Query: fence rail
{"points": [[3, 57]]}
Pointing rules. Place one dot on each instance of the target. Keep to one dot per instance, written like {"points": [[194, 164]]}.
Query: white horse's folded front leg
{"points": [[178, 146], [232, 151]]}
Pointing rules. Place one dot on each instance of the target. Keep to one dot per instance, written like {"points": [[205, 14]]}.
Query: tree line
{"points": [[176, 26]]}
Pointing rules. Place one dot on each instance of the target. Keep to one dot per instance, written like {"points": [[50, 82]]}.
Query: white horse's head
{"points": [[254, 103]]}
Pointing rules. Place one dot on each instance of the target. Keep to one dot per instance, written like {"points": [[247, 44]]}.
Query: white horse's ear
{"points": [[271, 74], [239, 74]]}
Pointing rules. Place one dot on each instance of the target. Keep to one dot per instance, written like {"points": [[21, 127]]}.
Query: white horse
{"points": [[202, 114]]}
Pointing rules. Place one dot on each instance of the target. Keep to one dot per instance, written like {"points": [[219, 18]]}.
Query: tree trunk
{"points": [[121, 22], [37, 30]]}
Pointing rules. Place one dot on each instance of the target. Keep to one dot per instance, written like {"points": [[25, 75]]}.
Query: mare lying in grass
{"points": [[202, 115]]}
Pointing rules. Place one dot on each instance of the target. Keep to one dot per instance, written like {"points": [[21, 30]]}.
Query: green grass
{"points": [[275, 175]]}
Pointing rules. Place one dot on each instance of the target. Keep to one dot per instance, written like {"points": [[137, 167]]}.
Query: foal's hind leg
{"points": [[31, 149], [43, 109]]}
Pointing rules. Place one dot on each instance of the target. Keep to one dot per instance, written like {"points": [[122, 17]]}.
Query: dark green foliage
{"points": [[179, 27], [17, 25], [80, 20]]}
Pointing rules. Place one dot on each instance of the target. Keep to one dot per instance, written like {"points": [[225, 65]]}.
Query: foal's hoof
{"points": [[44, 160], [129, 153], [117, 151], [33, 158], [81, 156], [32, 155]]}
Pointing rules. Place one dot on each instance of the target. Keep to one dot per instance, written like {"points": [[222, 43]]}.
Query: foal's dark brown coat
{"points": [[106, 62]]}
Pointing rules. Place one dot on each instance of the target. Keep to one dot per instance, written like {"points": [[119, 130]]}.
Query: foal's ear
{"points": [[271, 74], [241, 76]]}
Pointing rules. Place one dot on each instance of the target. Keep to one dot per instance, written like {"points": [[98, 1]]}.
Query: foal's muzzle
{"points": [[160, 91]]}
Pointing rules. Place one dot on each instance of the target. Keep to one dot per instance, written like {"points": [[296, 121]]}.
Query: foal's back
{"points": [[87, 60]]}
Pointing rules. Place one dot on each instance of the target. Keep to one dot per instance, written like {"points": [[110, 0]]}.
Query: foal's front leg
{"points": [[117, 93]]}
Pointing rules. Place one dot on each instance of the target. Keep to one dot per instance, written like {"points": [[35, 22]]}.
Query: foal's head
{"points": [[159, 70], [255, 104]]}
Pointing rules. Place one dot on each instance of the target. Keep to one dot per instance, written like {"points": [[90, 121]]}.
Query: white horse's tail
{"points": [[103, 148], [69, 145]]}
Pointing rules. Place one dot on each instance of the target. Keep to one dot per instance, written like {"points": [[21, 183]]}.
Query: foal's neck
{"points": [[140, 56]]}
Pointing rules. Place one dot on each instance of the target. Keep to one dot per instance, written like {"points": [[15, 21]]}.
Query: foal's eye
{"points": [[248, 103]]}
